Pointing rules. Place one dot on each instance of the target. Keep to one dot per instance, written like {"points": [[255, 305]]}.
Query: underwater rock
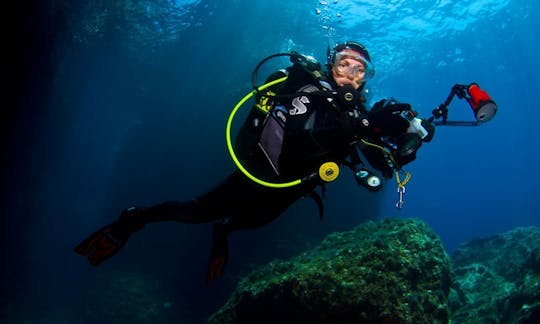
{"points": [[497, 279], [394, 270]]}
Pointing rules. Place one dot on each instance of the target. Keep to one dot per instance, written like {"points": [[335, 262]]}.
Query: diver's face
{"points": [[349, 69]]}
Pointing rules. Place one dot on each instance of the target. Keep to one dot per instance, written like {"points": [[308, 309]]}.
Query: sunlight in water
{"points": [[387, 27]]}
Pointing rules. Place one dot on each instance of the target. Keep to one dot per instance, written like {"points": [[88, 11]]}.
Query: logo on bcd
{"points": [[299, 105]]}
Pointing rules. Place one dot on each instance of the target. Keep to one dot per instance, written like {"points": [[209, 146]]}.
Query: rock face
{"points": [[394, 270], [497, 279]]}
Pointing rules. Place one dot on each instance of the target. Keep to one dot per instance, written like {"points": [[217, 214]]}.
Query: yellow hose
{"points": [[230, 147]]}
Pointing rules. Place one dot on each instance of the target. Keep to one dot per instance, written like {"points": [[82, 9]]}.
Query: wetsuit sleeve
{"points": [[359, 122], [389, 127]]}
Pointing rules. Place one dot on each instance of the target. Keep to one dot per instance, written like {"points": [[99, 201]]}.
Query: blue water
{"points": [[112, 106]]}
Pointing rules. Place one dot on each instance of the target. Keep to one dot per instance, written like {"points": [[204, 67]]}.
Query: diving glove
{"points": [[386, 119]]}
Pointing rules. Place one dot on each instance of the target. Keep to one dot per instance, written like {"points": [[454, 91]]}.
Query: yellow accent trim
{"points": [[230, 147], [400, 183], [263, 102], [382, 148], [329, 171]]}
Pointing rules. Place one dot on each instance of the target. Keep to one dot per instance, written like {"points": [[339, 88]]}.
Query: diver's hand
{"points": [[386, 120], [430, 128]]}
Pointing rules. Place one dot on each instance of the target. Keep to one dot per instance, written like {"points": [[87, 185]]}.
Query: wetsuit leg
{"points": [[261, 206], [222, 202], [212, 206], [237, 203]]}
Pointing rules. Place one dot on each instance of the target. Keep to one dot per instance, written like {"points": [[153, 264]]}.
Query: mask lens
{"points": [[354, 69], [350, 69]]}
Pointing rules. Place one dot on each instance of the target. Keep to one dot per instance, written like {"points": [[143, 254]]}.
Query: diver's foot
{"points": [[105, 242], [218, 255], [132, 219]]}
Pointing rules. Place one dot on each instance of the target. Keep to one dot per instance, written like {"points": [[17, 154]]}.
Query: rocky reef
{"points": [[497, 279], [391, 271]]}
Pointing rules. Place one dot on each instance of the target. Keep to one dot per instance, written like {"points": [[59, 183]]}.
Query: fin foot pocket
{"points": [[105, 242], [101, 245], [218, 255]]}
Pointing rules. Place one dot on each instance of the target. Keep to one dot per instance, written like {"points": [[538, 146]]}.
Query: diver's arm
{"points": [[395, 127]]}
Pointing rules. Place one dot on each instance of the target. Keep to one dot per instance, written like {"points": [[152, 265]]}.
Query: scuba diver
{"points": [[305, 124]]}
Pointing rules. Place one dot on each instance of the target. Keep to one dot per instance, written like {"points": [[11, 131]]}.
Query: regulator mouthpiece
{"points": [[483, 107]]}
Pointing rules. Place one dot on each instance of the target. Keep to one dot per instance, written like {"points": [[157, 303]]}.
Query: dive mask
{"points": [[354, 69]]}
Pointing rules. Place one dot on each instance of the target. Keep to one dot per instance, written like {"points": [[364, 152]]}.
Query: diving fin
{"points": [[102, 244], [218, 255], [105, 242]]}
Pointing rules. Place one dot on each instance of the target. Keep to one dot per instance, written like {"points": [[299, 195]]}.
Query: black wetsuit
{"points": [[321, 133], [317, 128]]}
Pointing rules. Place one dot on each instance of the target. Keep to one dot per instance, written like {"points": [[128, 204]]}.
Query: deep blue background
{"points": [[101, 116]]}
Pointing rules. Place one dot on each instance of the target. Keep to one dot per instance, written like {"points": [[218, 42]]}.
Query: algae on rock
{"points": [[393, 269]]}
